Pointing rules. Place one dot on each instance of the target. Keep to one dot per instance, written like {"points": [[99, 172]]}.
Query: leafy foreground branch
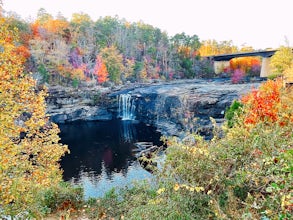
{"points": [[246, 174]]}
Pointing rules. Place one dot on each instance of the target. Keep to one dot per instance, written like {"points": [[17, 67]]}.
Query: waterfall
{"points": [[127, 132], [126, 107]]}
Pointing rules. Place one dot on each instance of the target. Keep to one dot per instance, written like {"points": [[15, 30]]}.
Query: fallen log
{"points": [[147, 151], [143, 145]]}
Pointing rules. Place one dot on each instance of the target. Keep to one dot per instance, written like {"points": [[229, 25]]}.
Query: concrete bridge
{"points": [[221, 61]]}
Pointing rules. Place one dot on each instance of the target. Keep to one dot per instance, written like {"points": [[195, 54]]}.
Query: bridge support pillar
{"points": [[220, 65], [265, 67]]}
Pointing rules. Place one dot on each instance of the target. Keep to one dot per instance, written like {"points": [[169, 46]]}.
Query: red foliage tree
{"points": [[35, 29], [265, 103]]}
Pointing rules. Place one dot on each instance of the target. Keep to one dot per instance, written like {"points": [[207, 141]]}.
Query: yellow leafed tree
{"points": [[29, 148]]}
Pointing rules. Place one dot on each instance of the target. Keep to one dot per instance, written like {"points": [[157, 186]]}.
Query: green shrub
{"points": [[44, 73], [58, 198], [274, 76], [232, 111], [75, 82]]}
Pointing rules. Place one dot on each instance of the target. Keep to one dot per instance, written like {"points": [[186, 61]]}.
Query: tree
{"points": [[23, 27], [49, 46], [29, 148], [212, 47], [83, 39], [114, 63], [55, 26], [186, 45], [248, 65], [101, 70], [106, 30], [129, 69], [1, 9], [282, 60], [288, 74], [186, 49], [80, 18], [43, 15]]}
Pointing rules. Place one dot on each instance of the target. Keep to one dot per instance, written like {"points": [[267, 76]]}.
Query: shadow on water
{"points": [[101, 154]]}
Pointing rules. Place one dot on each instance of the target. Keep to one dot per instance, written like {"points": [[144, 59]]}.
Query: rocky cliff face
{"points": [[171, 107], [70, 104]]}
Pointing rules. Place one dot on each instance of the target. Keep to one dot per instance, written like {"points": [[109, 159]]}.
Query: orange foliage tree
{"points": [[23, 52], [49, 48], [245, 64], [101, 70], [29, 143], [45, 25], [55, 26]]}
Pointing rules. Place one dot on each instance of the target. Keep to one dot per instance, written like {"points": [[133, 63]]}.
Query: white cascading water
{"points": [[126, 107]]}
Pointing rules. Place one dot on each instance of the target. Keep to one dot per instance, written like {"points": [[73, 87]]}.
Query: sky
{"points": [[258, 23]]}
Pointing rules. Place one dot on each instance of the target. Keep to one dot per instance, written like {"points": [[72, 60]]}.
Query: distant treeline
{"points": [[110, 50]]}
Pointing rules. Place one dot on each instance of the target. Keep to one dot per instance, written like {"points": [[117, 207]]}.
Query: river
{"points": [[102, 154]]}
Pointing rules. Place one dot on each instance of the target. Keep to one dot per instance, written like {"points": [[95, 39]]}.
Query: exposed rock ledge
{"points": [[69, 104], [170, 107]]}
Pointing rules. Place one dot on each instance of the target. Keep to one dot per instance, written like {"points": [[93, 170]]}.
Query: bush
{"points": [[75, 83], [237, 76], [121, 203], [233, 111], [62, 197]]}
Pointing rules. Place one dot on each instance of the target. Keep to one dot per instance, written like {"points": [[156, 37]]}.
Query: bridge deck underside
{"points": [[227, 57]]}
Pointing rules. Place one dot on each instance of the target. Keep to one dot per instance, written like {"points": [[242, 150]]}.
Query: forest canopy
{"points": [[110, 49]]}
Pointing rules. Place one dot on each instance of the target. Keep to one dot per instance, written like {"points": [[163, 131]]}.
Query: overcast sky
{"points": [[257, 23]]}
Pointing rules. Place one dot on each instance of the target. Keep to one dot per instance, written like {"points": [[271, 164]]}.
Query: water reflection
{"points": [[102, 154]]}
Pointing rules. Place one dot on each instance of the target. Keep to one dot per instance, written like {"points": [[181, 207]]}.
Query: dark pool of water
{"points": [[101, 154]]}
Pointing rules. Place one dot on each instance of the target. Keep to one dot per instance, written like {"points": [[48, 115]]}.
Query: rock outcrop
{"points": [[173, 107], [170, 107], [70, 104]]}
